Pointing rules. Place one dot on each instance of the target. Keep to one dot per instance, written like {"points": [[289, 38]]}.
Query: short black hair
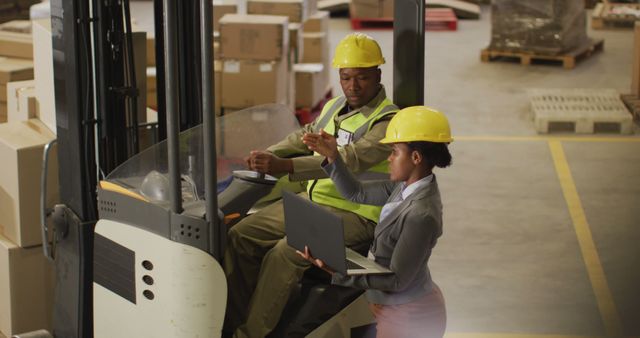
{"points": [[436, 154]]}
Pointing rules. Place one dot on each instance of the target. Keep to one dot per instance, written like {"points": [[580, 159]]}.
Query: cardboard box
{"points": [[43, 72], [291, 88], [216, 50], [317, 23], [14, 70], [17, 26], [247, 83], [140, 67], [386, 9], [27, 103], [152, 99], [311, 84], [25, 4], [152, 94], [151, 79], [295, 41], [295, 10], [26, 289], [254, 37], [312, 7], [316, 48], [16, 45], [217, 87], [219, 10], [365, 9], [151, 50], [14, 113], [3, 112], [21, 146]]}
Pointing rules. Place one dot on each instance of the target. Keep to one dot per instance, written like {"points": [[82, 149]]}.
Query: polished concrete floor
{"points": [[542, 233]]}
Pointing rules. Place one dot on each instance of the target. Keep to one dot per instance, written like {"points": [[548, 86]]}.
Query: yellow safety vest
{"points": [[323, 191]]}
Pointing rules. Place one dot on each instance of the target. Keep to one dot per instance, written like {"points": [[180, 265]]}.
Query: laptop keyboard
{"points": [[353, 266]]}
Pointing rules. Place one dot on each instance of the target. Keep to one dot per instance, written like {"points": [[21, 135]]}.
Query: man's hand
{"points": [[317, 262], [265, 162], [322, 143]]}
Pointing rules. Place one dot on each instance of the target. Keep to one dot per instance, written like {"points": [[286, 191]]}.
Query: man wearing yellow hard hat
{"points": [[406, 303], [261, 269]]}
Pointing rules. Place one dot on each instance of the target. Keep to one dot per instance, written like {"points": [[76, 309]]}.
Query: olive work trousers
{"points": [[262, 270]]}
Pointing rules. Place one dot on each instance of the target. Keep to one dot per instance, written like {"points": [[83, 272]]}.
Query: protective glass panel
{"points": [[237, 134]]}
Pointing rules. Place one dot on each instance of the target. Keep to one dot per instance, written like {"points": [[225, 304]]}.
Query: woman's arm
{"points": [[409, 256], [370, 192]]}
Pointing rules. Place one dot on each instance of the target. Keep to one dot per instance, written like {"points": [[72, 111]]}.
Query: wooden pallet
{"points": [[604, 16], [580, 111], [568, 60], [436, 19], [441, 19], [633, 104]]}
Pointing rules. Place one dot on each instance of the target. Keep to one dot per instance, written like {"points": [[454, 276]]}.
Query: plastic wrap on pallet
{"points": [[542, 26]]}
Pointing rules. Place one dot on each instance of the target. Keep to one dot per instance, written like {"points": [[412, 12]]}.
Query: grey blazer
{"points": [[403, 240]]}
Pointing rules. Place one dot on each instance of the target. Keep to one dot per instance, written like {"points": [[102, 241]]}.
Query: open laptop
{"points": [[308, 224]]}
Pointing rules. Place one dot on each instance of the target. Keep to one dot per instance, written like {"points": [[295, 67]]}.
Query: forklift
{"points": [[138, 236]]}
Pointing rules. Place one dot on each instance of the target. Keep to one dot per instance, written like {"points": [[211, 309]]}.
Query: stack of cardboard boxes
{"points": [[16, 54], [219, 10], [277, 53], [26, 276], [312, 73], [254, 51], [15, 9]]}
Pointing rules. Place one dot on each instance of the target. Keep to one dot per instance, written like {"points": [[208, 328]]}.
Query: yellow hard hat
{"points": [[418, 123], [357, 50]]}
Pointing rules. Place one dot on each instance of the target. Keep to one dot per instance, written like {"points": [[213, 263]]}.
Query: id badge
{"points": [[344, 137]]}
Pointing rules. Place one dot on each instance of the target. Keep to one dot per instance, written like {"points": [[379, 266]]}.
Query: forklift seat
{"points": [[314, 301]]}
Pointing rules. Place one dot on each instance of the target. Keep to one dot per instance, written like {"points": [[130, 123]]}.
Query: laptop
{"points": [[308, 224]]}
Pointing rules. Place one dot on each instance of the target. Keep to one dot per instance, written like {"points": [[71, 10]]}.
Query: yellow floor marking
{"points": [[511, 335], [608, 311], [490, 138]]}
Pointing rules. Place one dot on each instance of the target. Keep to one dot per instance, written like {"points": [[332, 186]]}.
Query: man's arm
{"points": [[275, 160], [292, 144], [358, 156]]}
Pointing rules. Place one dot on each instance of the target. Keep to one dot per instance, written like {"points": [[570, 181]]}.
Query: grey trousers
{"points": [[262, 270]]}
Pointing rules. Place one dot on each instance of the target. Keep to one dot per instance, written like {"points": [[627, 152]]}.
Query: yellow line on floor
{"points": [[510, 335], [608, 311], [488, 138]]}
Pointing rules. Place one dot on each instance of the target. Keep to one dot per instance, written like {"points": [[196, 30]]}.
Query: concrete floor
{"points": [[541, 233], [510, 262]]}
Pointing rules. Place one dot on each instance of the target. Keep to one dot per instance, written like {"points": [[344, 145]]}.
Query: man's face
{"points": [[359, 85]]}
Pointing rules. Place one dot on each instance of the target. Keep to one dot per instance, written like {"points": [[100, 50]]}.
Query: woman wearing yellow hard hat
{"points": [[406, 303]]}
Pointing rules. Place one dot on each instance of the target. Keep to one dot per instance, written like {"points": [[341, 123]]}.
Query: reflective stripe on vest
{"points": [[323, 190]]}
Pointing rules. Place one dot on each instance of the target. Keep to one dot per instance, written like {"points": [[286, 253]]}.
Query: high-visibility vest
{"points": [[323, 191]]}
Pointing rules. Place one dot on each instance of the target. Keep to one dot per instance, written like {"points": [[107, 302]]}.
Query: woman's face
{"points": [[401, 164]]}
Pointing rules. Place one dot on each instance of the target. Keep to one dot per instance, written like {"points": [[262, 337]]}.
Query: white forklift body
{"points": [[154, 273], [177, 290]]}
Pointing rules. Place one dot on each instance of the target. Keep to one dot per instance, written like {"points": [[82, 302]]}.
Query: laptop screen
{"points": [[309, 224]]}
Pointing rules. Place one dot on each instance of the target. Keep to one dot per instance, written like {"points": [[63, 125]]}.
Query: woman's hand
{"points": [[322, 143], [317, 262]]}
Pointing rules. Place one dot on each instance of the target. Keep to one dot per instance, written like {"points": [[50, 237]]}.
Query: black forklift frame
{"points": [[183, 75]]}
